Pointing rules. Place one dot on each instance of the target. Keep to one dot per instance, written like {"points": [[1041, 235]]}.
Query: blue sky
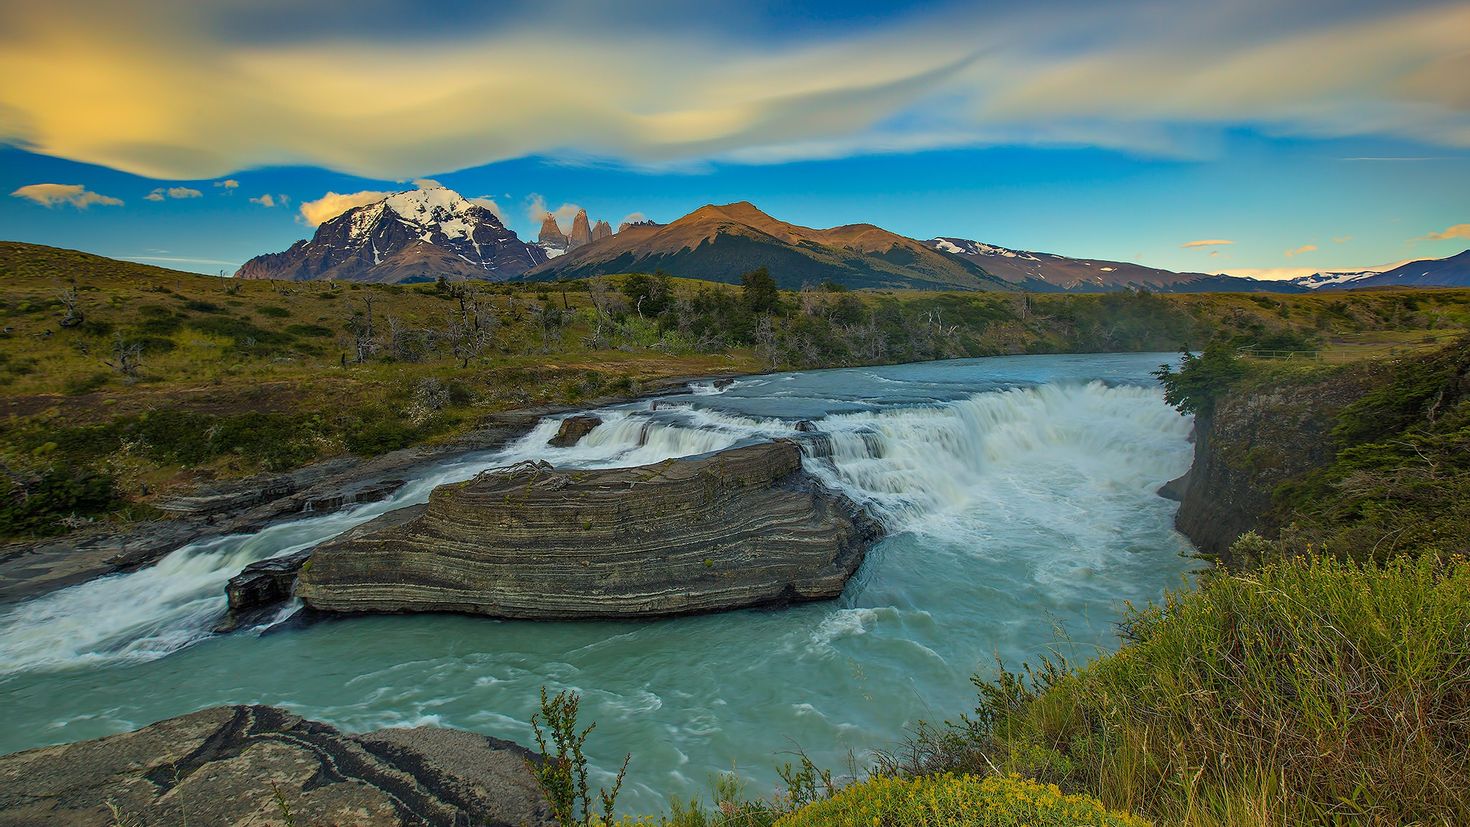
{"points": [[1327, 135]]}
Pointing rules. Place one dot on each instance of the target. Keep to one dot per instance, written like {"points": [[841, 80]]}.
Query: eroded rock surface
{"points": [[741, 527], [225, 765]]}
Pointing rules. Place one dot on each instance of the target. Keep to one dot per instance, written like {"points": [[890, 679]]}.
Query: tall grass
{"points": [[1312, 691]]}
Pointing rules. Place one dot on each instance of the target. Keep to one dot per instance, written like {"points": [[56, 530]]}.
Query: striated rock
{"points": [[601, 229], [224, 766], [742, 527], [370, 492], [572, 429], [581, 233]]}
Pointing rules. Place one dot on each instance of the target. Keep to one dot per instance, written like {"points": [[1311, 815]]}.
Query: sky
{"points": [[1241, 136]]}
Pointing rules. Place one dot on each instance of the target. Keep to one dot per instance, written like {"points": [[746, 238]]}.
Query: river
{"points": [[1019, 496]]}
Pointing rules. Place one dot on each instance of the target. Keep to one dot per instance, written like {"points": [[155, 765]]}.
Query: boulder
{"points": [[572, 429], [258, 592], [250, 765], [742, 527]]}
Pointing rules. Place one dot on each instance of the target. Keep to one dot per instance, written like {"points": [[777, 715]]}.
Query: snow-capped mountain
{"points": [[1453, 271], [418, 235], [1052, 272]]}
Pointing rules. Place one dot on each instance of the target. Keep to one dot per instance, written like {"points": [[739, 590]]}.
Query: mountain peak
{"points": [[413, 235]]}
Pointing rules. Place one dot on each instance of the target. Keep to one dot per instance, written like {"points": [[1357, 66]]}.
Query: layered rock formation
{"points": [[742, 527], [601, 229], [226, 765]]}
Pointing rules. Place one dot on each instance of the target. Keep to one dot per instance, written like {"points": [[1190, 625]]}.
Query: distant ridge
{"points": [[722, 242], [1049, 272], [1453, 271]]}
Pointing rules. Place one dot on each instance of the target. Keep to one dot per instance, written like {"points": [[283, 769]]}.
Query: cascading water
{"points": [[1019, 496]]}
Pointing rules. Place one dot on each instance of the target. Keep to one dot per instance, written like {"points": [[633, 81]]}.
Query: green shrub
{"points": [[77, 385], [42, 505], [273, 311], [956, 801]]}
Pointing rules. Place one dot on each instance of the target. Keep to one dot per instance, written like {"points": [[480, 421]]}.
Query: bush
{"points": [[1200, 379], [956, 801], [43, 505]]}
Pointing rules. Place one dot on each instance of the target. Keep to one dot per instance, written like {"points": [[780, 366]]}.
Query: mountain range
{"points": [[424, 234], [723, 242]]}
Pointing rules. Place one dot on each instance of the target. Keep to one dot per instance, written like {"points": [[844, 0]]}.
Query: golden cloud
{"points": [[1305, 248], [51, 195], [1457, 231], [1206, 242], [333, 204], [157, 89]]}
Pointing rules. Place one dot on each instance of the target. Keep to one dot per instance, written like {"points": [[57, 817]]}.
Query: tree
{"points": [[759, 291]]}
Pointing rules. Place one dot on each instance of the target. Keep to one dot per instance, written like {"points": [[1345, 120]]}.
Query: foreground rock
{"points": [[224, 766], [742, 527]]}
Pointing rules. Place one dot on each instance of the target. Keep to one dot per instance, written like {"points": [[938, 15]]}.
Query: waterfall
{"points": [[921, 468]]}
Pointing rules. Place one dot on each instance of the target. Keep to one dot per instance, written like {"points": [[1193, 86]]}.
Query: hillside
{"points": [[722, 242]]}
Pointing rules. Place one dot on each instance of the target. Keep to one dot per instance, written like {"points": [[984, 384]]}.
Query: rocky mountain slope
{"points": [[723, 242], [1049, 272], [555, 242], [417, 235]]}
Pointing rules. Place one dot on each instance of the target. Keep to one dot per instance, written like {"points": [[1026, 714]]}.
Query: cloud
{"points": [[1341, 239], [178, 89], [426, 183], [488, 203], [1206, 242], [77, 195], [536, 210], [632, 218], [161, 193], [266, 200], [228, 184], [1305, 248], [333, 204], [1457, 231]]}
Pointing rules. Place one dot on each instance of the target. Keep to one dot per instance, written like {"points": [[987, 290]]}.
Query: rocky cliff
{"points": [[741, 527], [1257, 437], [226, 765]]}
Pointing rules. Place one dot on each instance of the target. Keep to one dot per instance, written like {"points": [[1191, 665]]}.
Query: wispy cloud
{"points": [[1305, 248], [1206, 242], [178, 89], [537, 210], [161, 193], [228, 185], [490, 204], [333, 204], [77, 195], [268, 200]]}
